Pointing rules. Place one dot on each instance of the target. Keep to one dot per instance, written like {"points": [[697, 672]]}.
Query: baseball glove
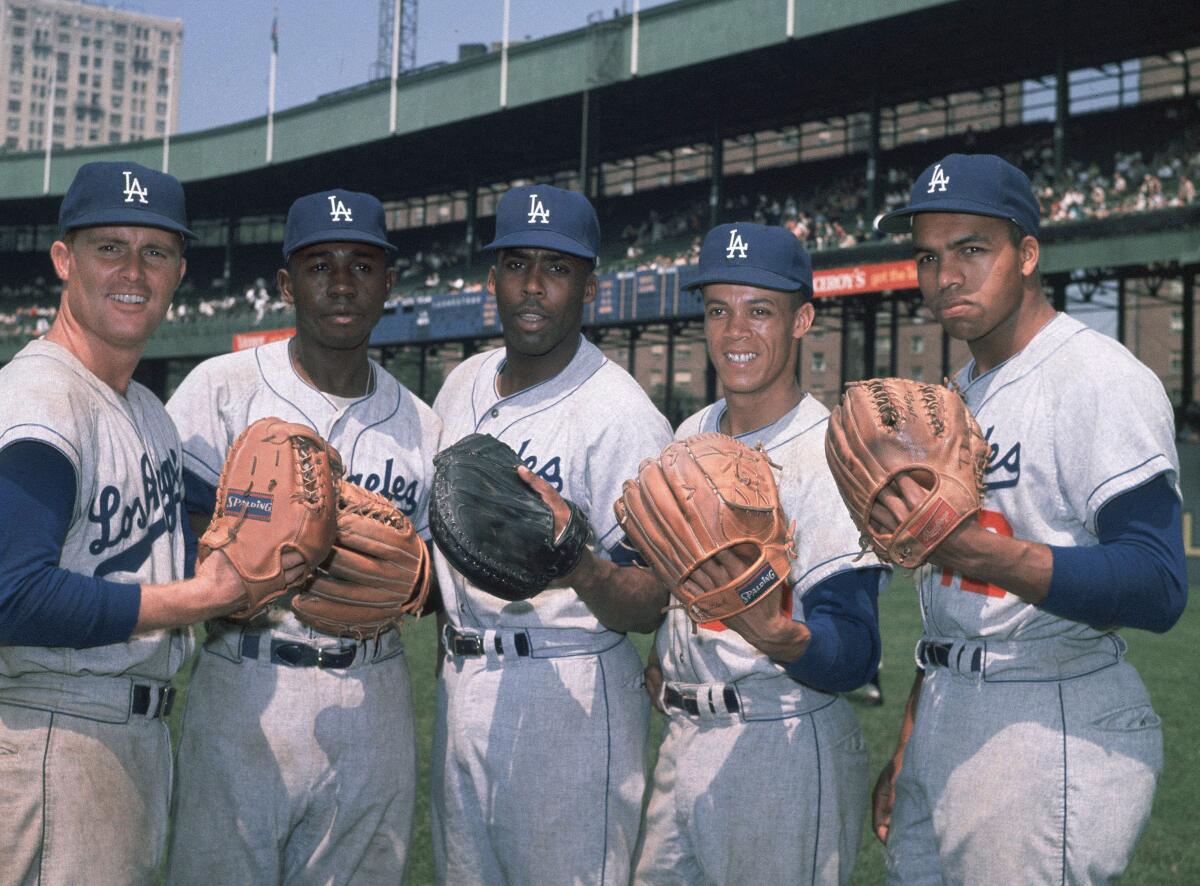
{"points": [[276, 494], [703, 495], [495, 529], [377, 572], [886, 427]]}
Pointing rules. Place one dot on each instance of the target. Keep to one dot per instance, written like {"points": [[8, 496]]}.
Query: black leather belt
{"points": [[687, 700], [467, 644], [940, 655], [301, 655], [152, 700]]}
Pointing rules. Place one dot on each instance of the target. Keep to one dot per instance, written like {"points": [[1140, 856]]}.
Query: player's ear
{"points": [[60, 255], [589, 289], [802, 319], [491, 284], [1030, 252], [283, 281]]}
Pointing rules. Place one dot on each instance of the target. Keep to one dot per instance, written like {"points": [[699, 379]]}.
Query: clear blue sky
{"points": [[326, 45]]}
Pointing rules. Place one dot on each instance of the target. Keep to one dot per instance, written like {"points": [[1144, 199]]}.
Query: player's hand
{"points": [[883, 798], [896, 503], [562, 515], [654, 680], [766, 626], [224, 584]]}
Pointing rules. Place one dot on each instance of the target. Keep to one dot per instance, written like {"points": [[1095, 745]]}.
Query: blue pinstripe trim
{"points": [[54, 431], [816, 737], [216, 472], [45, 757], [388, 417], [1100, 486], [853, 555], [548, 406], [270, 387], [1062, 711], [607, 766]]}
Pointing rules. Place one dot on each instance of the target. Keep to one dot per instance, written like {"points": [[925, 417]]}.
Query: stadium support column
{"points": [[231, 226], [945, 354], [1121, 308], [1187, 382], [873, 160], [585, 159], [710, 377], [844, 356], [669, 381], [422, 355], [716, 183], [631, 356], [1062, 95], [894, 338], [472, 215]]}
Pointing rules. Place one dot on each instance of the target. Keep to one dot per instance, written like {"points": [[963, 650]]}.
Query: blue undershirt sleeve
{"points": [[842, 614], [42, 604], [1136, 577], [199, 498]]}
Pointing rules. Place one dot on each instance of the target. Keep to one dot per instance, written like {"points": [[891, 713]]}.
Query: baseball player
{"points": [[92, 549], [297, 761], [752, 702], [1029, 750], [538, 769]]}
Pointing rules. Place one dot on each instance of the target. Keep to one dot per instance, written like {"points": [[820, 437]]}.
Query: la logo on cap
{"points": [[133, 188], [938, 180], [736, 246], [538, 211], [338, 211]]}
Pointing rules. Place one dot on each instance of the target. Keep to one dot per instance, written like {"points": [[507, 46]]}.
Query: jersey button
{"points": [[495, 413]]}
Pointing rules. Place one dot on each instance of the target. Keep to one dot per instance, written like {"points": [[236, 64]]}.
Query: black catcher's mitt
{"points": [[494, 528]]}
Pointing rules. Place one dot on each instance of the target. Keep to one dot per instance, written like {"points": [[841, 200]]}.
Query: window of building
{"points": [[18, 32], [18, 13], [14, 106], [14, 124], [917, 345], [917, 373], [1177, 321], [1176, 361], [160, 127], [115, 121], [817, 363], [119, 47]]}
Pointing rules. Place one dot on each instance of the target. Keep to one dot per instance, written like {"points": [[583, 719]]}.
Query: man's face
{"points": [[119, 280], [338, 290], [969, 271], [752, 335], [540, 294]]}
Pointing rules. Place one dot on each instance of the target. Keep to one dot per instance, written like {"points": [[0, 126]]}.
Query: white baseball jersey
{"points": [[1073, 420], [386, 439], [128, 507], [584, 431], [825, 538]]}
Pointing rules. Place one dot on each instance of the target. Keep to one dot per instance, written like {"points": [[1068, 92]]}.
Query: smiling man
{"points": [[92, 549], [1029, 751], [538, 764], [753, 701], [298, 757]]}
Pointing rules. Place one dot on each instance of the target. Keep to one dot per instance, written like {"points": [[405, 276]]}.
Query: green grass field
{"points": [[1168, 853]]}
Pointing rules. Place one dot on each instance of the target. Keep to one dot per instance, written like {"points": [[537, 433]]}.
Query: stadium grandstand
{"points": [[813, 116]]}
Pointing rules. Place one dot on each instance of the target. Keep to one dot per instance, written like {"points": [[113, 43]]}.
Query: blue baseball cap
{"points": [[753, 255], [546, 217], [976, 184], [335, 215], [123, 194]]}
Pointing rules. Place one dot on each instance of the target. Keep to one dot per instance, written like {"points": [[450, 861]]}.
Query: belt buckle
{"points": [[688, 700], [462, 644], [334, 656]]}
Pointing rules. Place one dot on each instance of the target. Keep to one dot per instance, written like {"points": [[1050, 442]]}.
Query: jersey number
{"points": [[993, 521]]}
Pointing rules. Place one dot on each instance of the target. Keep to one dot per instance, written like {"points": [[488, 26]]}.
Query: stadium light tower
{"points": [[406, 34]]}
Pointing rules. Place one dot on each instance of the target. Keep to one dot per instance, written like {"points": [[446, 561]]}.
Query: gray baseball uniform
{"points": [[1035, 751], [538, 763], [766, 782], [303, 774], [84, 756]]}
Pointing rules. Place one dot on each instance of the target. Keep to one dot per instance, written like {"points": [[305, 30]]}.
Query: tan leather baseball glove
{"points": [[276, 494], [701, 496], [377, 572], [886, 427]]}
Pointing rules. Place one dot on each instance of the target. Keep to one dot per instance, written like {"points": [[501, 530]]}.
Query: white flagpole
{"points": [[166, 160], [396, 12], [504, 59], [791, 18], [633, 49], [49, 124], [271, 85]]}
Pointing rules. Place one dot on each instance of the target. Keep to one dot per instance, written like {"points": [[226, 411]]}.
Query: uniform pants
{"points": [[756, 801], [294, 775], [81, 800], [539, 768], [1025, 782]]}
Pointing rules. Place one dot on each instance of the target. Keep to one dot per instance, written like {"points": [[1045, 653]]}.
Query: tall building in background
{"points": [[110, 71]]}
